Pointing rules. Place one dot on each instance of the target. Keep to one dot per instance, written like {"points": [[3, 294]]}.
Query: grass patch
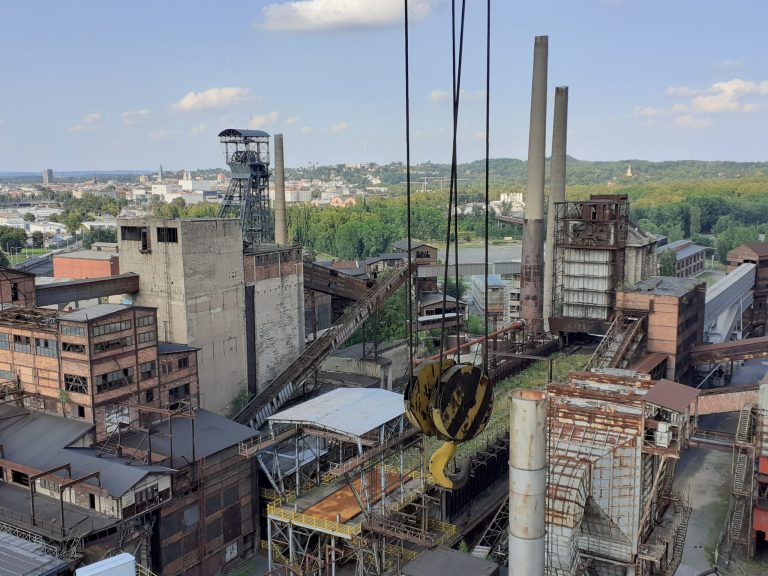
{"points": [[25, 254]]}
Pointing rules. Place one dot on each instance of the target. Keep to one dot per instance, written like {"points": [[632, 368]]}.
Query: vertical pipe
{"points": [[556, 192], [531, 294], [527, 482], [280, 222]]}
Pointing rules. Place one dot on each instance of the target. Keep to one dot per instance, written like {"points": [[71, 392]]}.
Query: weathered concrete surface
{"points": [[197, 286]]}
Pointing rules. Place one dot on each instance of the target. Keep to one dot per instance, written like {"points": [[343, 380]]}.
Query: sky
{"points": [[94, 85]]}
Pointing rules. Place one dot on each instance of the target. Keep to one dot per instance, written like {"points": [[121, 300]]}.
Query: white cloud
{"points": [[691, 121], [133, 117], [472, 95], [679, 108], [162, 134], [680, 91], [339, 15], [213, 98], [439, 95], [200, 128], [649, 112], [340, 127], [726, 96], [260, 120], [291, 120], [730, 64], [306, 130], [92, 121], [480, 135]]}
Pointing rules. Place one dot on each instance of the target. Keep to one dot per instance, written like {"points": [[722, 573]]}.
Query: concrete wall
{"points": [[277, 278], [391, 366], [197, 286]]}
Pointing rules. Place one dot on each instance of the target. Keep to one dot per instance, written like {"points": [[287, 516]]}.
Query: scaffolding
{"points": [[345, 490], [589, 256]]}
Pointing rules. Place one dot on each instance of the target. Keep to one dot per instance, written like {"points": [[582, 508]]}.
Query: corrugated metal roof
{"points": [[665, 286], [689, 251], [172, 348], [668, 394], [88, 255], [20, 557], [40, 441], [93, 312], [350, 411]]}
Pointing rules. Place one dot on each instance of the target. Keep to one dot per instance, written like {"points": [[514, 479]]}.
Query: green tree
{"points": [[29, 217], [4, 263], [98, 235], [695, 220], [38, 240], [456, 290], [12, 238], [668, 263]]}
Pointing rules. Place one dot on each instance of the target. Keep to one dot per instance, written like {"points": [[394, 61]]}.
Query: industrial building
{"points": [[754, 253], [597, 251], [242, 309], [498, 310], [86, 264], [689, 257]]}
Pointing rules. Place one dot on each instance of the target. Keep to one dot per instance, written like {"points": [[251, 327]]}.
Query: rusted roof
{"points": [[759, 248], [668, 394], [647, 363]]}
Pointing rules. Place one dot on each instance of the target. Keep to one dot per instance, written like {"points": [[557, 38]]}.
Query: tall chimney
{"points": [[532, 276], [556, 192], [281, 225], [527, 482]]}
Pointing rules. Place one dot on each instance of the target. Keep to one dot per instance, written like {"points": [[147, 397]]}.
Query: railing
{"points": [[345, 530], [143, 570], [49, 528]]}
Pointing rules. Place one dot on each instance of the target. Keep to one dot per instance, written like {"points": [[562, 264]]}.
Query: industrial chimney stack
{"points": [[531, 289], [281, 224], [556, 191]]}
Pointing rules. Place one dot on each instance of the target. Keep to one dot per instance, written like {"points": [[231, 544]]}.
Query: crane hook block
{"points": [[452, 402]]}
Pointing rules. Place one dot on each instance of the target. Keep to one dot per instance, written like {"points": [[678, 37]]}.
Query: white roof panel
{"points": [[350, 411]]}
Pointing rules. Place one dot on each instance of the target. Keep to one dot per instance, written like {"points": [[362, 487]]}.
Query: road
{"points": [[704, 474]]}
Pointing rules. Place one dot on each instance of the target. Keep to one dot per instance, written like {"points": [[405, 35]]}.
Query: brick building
{"points": [[754, 253], [74, 363], [86, 264], [690, 258], [17, 289]]}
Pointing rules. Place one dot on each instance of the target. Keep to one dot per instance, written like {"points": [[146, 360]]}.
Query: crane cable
{"points": [[409, 286], [487, 173], [453, 188]]}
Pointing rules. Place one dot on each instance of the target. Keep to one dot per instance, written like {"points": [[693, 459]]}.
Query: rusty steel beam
{"points": [[334, 282], [730, 351], [75, 290]]}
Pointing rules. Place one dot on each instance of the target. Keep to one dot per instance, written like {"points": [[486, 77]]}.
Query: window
{"points": [[19, 478], [112, 327], [167, 234], [146, 337], [147, 370], [46, 347], [178, 393], [183, 363], [22, 343], [74, 383], [145, 320], [145, 246], [112, 344], [231, 495], [171, 552], [92, 501], [213, 530], [70, 347], [132, 233], [190, 516], [116, 379], [80, 411], [14, 292], [7, 375], [166, 367], [115, 416], [4, 345], [73, 330], [150, 395]]}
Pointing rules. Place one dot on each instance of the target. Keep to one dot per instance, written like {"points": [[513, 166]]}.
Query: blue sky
{"points": [[95, 85]]}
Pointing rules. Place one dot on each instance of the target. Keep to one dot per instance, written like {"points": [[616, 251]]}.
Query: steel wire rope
{"points": [[453, 188], [487, 172], [409, 285]]}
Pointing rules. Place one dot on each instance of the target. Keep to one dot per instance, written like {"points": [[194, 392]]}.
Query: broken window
{"points": [[167, 234]]}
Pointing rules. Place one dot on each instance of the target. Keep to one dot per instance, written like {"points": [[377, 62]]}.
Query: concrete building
{"points": [[86, 264], [17, 289], [47, 177], [754, 253], [689, 257], [244, 311], [675, 311], [192, 272]]}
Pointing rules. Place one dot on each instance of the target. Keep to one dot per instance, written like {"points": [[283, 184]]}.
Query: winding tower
{"points": [[247, 155]]}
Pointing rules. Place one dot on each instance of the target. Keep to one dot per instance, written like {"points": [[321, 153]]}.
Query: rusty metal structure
{"points": [[589, 254], [614, 440]]}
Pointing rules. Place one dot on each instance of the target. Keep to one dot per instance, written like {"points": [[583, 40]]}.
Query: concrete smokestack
{"points": [[556, 191], [531, 289], [527, 482], [281, 225]]}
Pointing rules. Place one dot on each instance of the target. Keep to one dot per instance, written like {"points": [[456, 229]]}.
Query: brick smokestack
{"points": [[281, 225]]}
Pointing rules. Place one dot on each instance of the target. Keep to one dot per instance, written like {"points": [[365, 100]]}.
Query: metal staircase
{"points": [[281, 388], [494, 543], [620, 342], [742, 482], [678, 542]]}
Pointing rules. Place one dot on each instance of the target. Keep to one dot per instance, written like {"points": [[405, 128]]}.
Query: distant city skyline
{"points": [[101, 88]]}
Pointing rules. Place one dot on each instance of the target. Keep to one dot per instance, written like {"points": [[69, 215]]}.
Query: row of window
{"points": [[47, 347], [114, 380], [112, 327], [181, 364]]}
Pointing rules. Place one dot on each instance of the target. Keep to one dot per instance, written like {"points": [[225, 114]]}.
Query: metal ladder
{"points": [[619, 341]]}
